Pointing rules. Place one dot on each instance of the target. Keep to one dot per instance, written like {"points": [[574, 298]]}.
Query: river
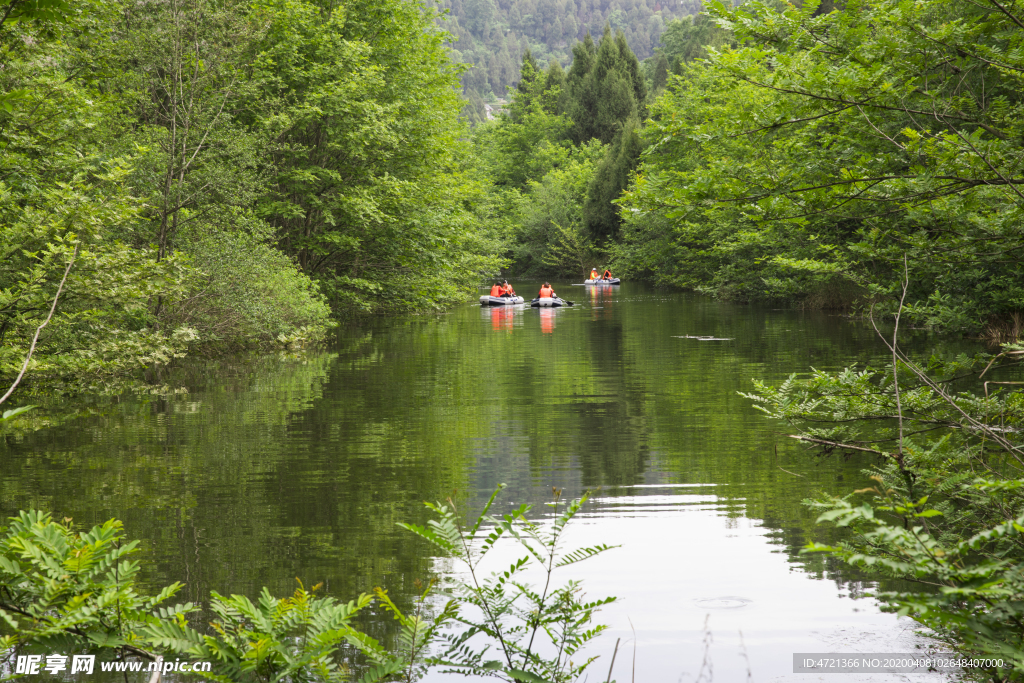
{"points": [[256, 470]]}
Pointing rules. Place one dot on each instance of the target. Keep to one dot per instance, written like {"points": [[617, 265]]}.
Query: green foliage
{"points": [[507, 612], [494, 36], [293, 638], [831, 145], [688, 39], [224, 172], [570, 251], [369, 191], [63, 191], [613, 175], [61, 590], [419, 632], [64, 590], [550, 232], [565, 151], [181, 68], [515, 152], [247, 291], [605, 88], [947, 510], [978, 605]]}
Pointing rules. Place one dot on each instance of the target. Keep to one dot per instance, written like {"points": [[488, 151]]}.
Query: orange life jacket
{"points": [[508, 290], [546, 292], [607, 275], [496, 290], [593, 274]]}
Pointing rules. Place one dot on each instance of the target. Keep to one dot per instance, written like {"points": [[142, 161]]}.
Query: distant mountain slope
{"points": [[494, 34]]}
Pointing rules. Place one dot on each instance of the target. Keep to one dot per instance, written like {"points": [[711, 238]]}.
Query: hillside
{"points": [[493, 34]]}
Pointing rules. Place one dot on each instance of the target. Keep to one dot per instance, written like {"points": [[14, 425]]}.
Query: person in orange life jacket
{"points": [[607, 274], [546, 292], [507, 290], [593, 273], [496, 289]]}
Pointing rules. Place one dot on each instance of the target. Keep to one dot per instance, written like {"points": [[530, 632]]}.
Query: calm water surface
{"points": [[256, 471]]}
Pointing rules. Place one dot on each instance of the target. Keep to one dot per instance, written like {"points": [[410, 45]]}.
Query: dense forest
{"points": [[568, 145], [755, 164], [493, 35], [191, 172]]}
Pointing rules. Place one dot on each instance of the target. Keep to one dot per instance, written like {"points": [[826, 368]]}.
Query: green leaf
{"points": [[525, 676]]}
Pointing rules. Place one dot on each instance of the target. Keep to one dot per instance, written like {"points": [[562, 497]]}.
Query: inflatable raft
{"points": [[550, 302], [610, 281], [488, 300]]}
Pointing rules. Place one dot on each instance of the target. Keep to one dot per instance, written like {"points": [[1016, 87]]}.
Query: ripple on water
{"points": [[723, 602]]}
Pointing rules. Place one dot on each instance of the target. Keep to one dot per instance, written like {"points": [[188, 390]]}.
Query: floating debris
{"points": [[700, 338]]}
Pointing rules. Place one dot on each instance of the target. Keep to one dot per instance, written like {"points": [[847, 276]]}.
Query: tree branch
{"points": [[35, 338]]}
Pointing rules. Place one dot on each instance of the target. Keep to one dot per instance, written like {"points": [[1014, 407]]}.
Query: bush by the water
{"points": [[946, 511], [70, 591]]}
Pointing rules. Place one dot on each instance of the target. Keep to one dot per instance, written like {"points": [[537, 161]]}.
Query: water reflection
{"points": [[601, 300], [502, 317], [547, 319], [273, 467]]}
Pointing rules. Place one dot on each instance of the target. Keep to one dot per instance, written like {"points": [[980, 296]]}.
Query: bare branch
{"points": [[35, 338]]}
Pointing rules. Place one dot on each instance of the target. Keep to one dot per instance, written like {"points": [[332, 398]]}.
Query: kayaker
{"points": [[593, 273], [507, 290], [607, 274], [496, 289], [546, 292]]}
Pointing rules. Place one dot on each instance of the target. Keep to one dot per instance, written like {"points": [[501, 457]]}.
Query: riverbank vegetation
{"points": [[946, 510], [868, 156], [225, 175], [832, 149], [793, 154], [76, 593], [565, 152], [239, 174]]}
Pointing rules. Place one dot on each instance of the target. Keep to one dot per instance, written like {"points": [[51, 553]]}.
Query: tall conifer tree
{"points": [[606, 88], [610, 179], [605, 96]]}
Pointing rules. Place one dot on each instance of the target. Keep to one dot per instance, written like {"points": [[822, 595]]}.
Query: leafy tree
{"points": [[899, 142], [183, 68], [530, 141], [613, 175], [554, 80], [660, 77], [551, 212], [247, 290], [530, 85], [688, 38], [605, 90], [368, 192], [64, 200], [606, 100]]}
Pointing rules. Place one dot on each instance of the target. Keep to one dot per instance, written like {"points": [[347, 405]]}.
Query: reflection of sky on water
{"points": [[685, 560], [298, 465]]}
